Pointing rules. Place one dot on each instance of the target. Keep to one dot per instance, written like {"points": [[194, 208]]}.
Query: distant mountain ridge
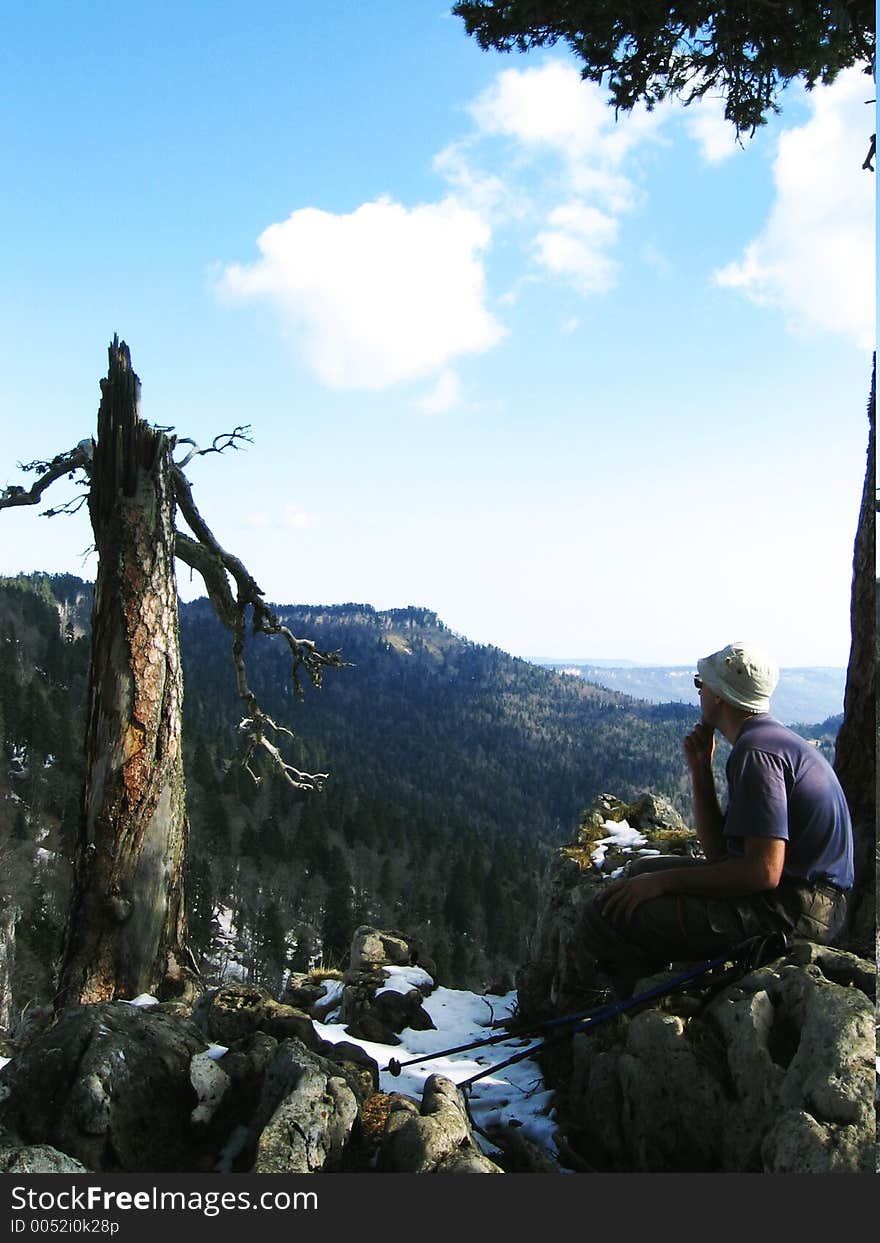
{"points": [[805, 695]]}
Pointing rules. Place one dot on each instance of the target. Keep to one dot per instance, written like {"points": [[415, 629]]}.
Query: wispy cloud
{"points": [[445, 395], [565, 161], [291, 518], [814, 258], [714, 135], [576, 244]]}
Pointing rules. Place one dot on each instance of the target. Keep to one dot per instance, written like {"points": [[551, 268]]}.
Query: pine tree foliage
{"points": [[646, 51]]}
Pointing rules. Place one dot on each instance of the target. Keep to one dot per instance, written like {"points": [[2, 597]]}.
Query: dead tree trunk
{"points": [[8, 920], [126, 929], [855, 757]]}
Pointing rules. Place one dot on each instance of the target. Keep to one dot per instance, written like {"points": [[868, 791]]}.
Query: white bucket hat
{"points": [[741, 674]]}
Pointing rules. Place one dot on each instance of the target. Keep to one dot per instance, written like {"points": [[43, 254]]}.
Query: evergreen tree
{"points": [[747, 53], [339, 918]]}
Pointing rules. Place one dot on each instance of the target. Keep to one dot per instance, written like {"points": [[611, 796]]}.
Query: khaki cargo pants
{"points": [[687, 928]]}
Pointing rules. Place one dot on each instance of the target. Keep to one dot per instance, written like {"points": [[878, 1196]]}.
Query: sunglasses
{"points": [[698, 684]]}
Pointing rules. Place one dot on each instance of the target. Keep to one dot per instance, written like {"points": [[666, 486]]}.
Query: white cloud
{"points": [[814, 258], [551, 106], [575, 245], [544, 107], [714, 134], [296, 519], [445, 395], [383, 295]]}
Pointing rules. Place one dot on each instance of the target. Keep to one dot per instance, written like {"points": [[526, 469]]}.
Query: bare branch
{"points": [[869, 158], [216, 567], [255, 731], [68, 464], [73, 506], [199, 558], [227, 440]]}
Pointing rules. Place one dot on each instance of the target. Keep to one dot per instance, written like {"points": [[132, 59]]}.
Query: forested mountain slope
{"points": [[426, 716], [453, 771]]}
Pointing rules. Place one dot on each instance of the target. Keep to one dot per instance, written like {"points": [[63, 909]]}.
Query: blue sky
{"points": [[586, 389]]}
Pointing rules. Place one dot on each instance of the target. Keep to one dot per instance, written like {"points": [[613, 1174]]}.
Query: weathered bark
{"points": [[8, 920], [126, 928], [856, 751]]}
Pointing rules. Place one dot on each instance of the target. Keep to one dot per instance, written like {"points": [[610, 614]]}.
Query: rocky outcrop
{"points": [[108, 1085], [241, 1083], [773, 1073], [557, 978], [234, 1011], [776, 1075], [374, 1007]]}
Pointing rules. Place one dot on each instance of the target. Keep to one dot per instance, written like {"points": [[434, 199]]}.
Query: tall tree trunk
{"points": [[8, 920], [855, 757], [126, 929]]}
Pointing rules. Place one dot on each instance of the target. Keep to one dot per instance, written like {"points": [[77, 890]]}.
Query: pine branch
{"points": [[68, 464], [217, 567]]}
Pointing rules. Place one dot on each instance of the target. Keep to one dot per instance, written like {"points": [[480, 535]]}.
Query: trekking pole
{"points": [[394, 1067], [749, 955]]}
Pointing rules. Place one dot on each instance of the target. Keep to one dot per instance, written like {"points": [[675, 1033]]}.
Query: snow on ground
{"points": [[514, 1096], [622, 837]]}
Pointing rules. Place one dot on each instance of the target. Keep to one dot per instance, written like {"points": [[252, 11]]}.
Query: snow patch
{"points": [[404, 979], [621, 836]]}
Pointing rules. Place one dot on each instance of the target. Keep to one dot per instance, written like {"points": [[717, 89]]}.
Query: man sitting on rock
{"points": [[779, 859]]}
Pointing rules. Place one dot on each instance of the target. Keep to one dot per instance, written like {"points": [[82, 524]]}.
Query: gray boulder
{"points": [[376, 947], [234, 1011], [37, 1159], [436, 1139], [109, 1085], [306, 1114], [776, 1075]]}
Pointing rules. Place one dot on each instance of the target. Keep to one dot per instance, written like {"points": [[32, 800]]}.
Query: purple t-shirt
{"points": [[782, 787]]}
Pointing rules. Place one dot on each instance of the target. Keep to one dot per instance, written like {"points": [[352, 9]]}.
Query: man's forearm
{"points": [[728, 878]]}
